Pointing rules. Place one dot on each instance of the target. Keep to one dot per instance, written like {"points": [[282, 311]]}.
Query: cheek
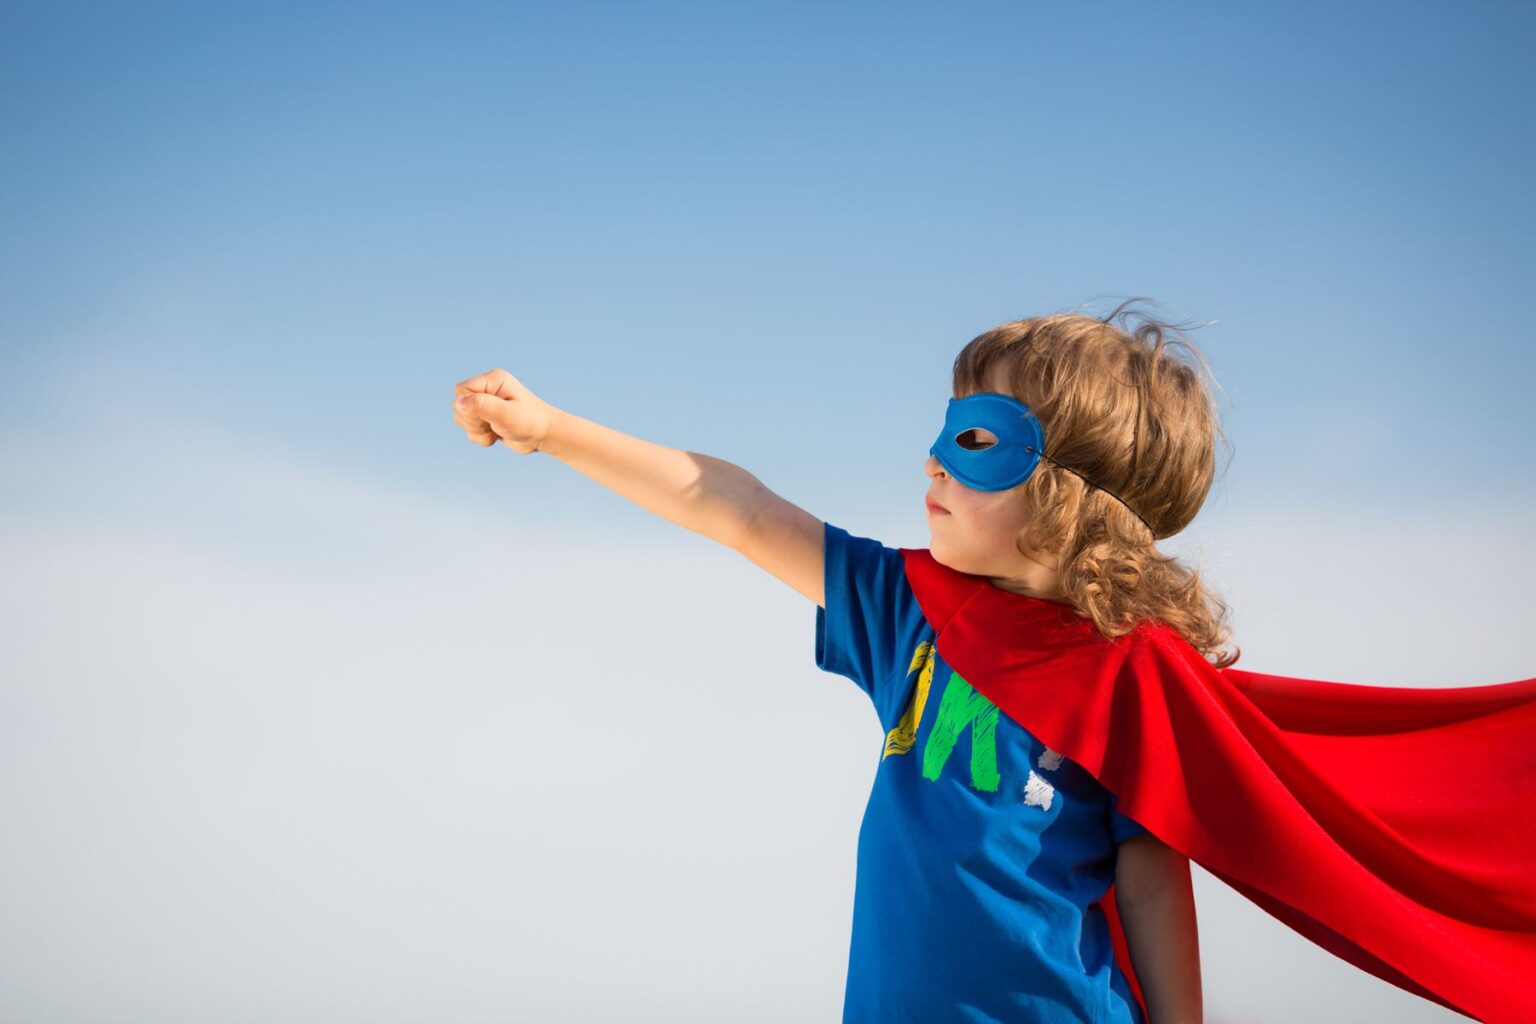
{"points": [[995, 523], [986, 514]]}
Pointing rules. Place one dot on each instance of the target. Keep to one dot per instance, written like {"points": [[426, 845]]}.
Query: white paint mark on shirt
{"points": [[1038, 792]]}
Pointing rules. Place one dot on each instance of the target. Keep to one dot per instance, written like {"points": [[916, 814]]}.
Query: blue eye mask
{"points": [[997, 466], [1008, 461]]}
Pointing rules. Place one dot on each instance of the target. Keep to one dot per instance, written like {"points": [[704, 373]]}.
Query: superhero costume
{"points": [[1325, 803]]}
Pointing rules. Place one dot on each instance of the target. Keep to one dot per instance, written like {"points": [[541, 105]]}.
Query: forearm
{"points": [[1163, 937], [707, 495]]}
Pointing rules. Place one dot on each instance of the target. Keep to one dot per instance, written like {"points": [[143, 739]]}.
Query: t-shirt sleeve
{"points": [[1122, 827], [869, 607]]}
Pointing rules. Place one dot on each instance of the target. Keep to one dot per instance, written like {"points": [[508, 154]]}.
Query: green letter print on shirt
{"points": [[960, 706]]}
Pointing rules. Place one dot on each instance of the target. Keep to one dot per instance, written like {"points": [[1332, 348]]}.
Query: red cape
{"points": [[1392, 826]]}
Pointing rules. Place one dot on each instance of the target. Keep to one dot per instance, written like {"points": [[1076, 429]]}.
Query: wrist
{"points": [[557, 430]]}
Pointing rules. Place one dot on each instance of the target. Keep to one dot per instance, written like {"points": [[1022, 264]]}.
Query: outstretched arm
{"points": [[699, 492], [1156, 904], [709, 496]]}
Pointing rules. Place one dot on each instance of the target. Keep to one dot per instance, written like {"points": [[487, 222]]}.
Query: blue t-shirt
{"points": [[982, 853]]}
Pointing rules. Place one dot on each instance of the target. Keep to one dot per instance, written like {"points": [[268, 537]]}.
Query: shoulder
{"points": [[1154, 635], [1157, 655]]}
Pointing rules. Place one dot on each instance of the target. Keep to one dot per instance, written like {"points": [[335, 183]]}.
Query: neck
{"points": [[1035, 579]]}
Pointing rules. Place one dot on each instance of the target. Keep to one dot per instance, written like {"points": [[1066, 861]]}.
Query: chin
{"points": [[940, 554]]}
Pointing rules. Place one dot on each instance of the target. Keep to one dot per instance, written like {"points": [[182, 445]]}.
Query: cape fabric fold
{"points": [[1393, 826]]}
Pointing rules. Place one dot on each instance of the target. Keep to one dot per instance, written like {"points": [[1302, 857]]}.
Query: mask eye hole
{"points": [[976, 439]]}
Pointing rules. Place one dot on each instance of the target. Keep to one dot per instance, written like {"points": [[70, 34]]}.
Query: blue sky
{"points": [[249, 249], [817, 204]]}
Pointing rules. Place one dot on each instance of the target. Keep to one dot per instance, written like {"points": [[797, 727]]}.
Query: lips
{"points": [[935, 508]]}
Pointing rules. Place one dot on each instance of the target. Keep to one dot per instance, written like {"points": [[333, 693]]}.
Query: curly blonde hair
{"points": [[1119, 409]]}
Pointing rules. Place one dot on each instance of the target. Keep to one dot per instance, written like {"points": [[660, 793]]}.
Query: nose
{"points": [[933, 467]]}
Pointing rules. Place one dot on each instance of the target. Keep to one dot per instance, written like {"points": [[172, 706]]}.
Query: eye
{"points": [[976, 438]]}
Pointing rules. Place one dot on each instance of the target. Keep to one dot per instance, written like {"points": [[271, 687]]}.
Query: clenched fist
{"points": [[496, 405]]}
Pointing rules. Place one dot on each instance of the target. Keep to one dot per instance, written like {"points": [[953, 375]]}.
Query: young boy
{"points": [[1064, 734]]}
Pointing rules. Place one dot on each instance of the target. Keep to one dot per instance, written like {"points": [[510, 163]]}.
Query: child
{"points": [[1028, 836]]}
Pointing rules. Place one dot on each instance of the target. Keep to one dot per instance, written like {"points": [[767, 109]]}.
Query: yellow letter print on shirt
{"points": [[961, 706]]}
